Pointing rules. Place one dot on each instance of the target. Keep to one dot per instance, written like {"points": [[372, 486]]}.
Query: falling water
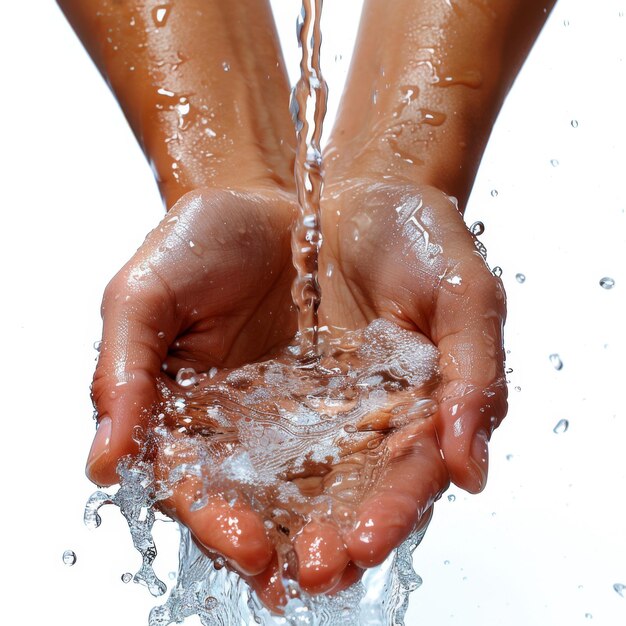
{"points": [[308, 107]]}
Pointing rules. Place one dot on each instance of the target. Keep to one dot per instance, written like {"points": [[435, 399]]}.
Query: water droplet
{"points": [[565, 22], [446, 562], [186, 377], [226, 66], [518, 388], [97, 345], [210, 603], [561, 427], [497, 271], [477, 228], [432, 118], [556, 361], [520, 278], [160, 14], [182, 108], [138, 435], [372, 444], [554, 162], [574, 123], [127, 577], [619, 589], [606, 282], [509, 457], [338, 57], [455, 284], [196, 248], [451, 498], [171, 575], [482, 250], [69, 557], [588, 616], [161, 335], [494, 193], [219, 562]]}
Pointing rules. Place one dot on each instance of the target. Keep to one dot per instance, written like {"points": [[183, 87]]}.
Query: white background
{"points": [[546, 541]]}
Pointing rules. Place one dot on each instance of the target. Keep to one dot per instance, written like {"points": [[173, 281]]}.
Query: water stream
{"points": [[308, 107]]}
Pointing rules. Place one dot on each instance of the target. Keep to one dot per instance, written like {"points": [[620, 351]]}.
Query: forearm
{"points": [[427, 81], [202, 84]]}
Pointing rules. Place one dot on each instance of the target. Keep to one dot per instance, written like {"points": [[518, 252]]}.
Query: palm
{"points": [[210, 286], [403, 252], [228, 272], [385, 251]]}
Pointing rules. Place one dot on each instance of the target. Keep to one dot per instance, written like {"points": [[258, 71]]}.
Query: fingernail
{"points": [[101, 441], [479, 457]]}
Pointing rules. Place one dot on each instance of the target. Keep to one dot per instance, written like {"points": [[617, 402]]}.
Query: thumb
{"points": [[135, 338], [473, 400]]}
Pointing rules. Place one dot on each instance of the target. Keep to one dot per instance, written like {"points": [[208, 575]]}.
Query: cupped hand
{"points": [[404, 253], [210, 286]]}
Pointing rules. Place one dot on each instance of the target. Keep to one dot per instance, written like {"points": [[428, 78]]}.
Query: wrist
{"points": [[421, 107], [188, 77]]}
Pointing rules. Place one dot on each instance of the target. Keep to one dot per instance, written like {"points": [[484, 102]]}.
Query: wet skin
{"points": [[210, 286], [225, 301]]}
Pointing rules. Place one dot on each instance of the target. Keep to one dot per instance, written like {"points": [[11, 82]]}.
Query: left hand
{"points": [[403, 252]]}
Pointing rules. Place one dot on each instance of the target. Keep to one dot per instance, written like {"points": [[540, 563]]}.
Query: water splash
{"points": [[253, 432], [136, 499], [219, 597]]}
